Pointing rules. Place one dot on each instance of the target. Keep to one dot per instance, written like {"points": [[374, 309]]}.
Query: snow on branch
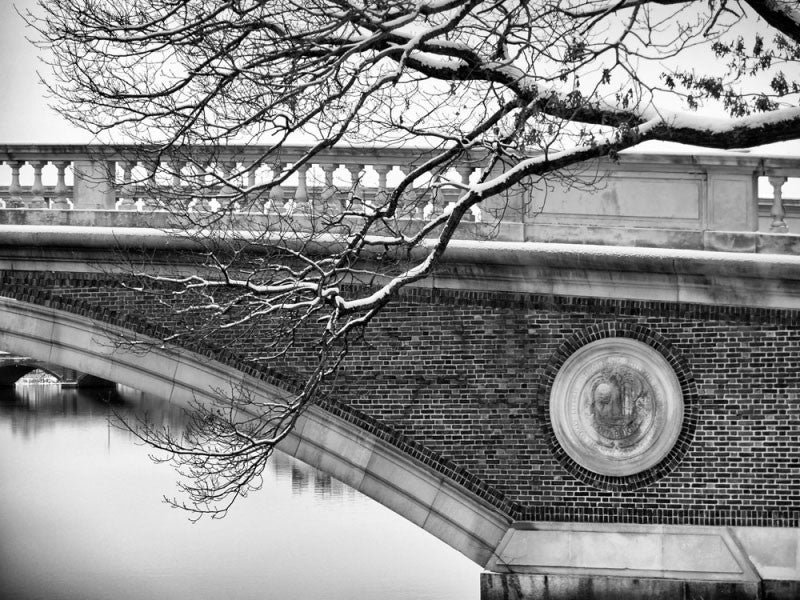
{"points": [[490, 97]]}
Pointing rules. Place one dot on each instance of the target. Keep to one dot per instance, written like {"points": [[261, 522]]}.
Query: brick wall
{"points": [[462, 379]]}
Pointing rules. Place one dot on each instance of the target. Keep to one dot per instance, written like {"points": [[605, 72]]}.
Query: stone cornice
{"points": [[673, 275]]}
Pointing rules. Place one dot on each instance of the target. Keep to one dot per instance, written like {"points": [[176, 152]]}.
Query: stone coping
{"points": [[693, 156], [757, 253], [681, 276], [614, 235]]}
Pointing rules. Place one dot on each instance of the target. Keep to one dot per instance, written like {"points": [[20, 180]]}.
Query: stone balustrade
{"points": [[105, 178], [641, 199]]}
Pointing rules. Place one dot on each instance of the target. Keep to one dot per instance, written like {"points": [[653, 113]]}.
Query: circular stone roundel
{"points": [[616, 407]]}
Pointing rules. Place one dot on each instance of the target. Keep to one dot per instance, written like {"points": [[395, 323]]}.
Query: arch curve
{"points": [[321, 439], [10, 374]]}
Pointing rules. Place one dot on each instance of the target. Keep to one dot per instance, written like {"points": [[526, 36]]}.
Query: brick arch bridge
{"points": [[372, 458], [445, 418], [458, 442]]}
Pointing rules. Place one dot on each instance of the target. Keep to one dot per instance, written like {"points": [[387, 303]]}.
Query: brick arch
{"points": [[688, 389], [361, 452]]}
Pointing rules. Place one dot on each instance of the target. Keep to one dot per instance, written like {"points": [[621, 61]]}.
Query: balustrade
{"points": [[96, 179], [353, 180]]}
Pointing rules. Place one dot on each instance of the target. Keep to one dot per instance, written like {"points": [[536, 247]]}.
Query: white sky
{"points": [[24, 112], [25, 116]]}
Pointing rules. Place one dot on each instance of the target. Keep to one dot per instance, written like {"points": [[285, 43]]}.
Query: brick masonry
{"points": [[461, 380]]}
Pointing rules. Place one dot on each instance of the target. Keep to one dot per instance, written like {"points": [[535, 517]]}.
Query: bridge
{"points": [[598, 398], [14, 368]]}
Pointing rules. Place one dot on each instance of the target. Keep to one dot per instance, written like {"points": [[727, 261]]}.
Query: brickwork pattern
{"points": [[459, 378], [466, 372]]}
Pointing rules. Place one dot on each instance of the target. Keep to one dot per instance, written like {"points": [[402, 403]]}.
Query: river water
{"points": [[82, 518]]}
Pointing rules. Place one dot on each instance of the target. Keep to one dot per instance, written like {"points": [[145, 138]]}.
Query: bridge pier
{"points": [[591, 561], [527, 586]]}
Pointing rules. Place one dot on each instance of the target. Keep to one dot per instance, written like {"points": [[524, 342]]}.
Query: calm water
{"points": [[81, 517]]}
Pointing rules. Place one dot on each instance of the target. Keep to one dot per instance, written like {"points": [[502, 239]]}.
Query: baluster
{"points": [[250, 196], [150, 196], [381, 193], [204, 192], [301, 193], [176, 191], [464, 171], [276, 194], [60, 200], [429, 209], [356, 196], [15, 189], [251, 176], [37, 189], [327, 197], [778, 213], [176, 166], [227, 192], [126, 192]]}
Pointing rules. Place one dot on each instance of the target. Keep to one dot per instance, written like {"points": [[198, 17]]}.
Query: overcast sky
{"points": [[24, 112], [26, 117]]}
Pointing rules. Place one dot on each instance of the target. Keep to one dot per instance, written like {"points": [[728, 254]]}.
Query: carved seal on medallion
{"points": [[616, 406]]}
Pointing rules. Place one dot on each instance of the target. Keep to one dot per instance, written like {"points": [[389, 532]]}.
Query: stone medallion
{"points": [[616, 407]]}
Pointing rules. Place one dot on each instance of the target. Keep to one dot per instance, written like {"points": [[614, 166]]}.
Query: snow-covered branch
{"points": [[491, 94]]}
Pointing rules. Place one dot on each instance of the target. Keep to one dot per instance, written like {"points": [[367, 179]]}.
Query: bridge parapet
{"points": [[131, 178], [669, 200]]}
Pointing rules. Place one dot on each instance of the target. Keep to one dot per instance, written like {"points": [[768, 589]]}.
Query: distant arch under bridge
{"points": [[13, 368]]}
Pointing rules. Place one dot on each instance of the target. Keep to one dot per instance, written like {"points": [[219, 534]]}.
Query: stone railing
{"points": [[641, 199], [125, 178]]}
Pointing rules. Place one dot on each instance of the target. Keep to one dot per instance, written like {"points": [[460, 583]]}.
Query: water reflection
{"points": [[83, 519], [32, 409]]}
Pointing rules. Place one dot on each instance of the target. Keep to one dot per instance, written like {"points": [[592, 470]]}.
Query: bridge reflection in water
{"points": [[82, 517]]}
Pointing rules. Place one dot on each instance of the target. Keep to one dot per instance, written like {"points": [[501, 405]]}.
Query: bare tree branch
{"points": [[503, 94]]}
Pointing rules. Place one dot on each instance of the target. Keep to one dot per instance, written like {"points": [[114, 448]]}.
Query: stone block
{"points": [[400, 501], [512, 586], [722, 590], [729, 241], [523, 586], [540, 548], [774, 551], [699, 553], [335, 447], [780, 590], [730, 201], [470, 515], [777, 243], [460, 537]]}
